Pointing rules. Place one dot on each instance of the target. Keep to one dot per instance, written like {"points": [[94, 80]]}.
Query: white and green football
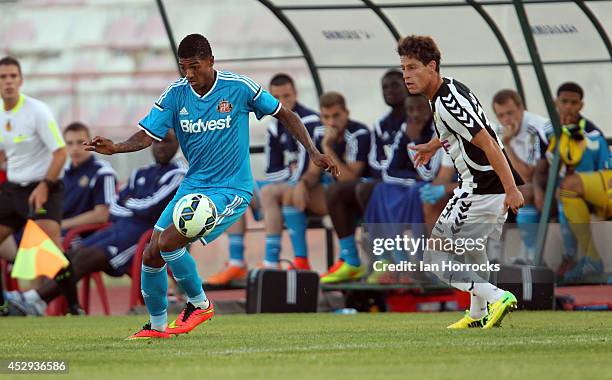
{"points": [[194, 215]]}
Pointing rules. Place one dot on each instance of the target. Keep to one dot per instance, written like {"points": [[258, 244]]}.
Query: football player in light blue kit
{"points": [[209, 111]]}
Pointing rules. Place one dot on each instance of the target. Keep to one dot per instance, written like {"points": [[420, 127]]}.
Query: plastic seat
{"points": [[58, 306], [9, 282], [135, 294]]}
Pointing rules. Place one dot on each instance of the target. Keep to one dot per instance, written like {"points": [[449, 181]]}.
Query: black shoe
{"points": [[76, 310]]}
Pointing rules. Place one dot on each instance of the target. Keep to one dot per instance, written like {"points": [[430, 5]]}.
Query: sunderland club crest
{"points": [[84, 181], [225, 106]]}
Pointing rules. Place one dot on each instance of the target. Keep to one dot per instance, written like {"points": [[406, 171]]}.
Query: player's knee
{"points": [[269, 195], [165, 244], [571, 182], [152, 257], [287, 198]]}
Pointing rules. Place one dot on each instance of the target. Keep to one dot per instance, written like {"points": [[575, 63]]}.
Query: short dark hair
{"points": [[76, 126], [571, 87], [422, 48], [282, 79], [504, 95], [393, 73], [194, 46], [332, 98], [6, 61]]}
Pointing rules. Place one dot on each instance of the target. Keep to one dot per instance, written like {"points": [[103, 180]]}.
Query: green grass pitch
{"points": [[530, 345]]}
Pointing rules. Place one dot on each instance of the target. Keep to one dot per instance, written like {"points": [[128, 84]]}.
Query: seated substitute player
{"points": [[35, 154], [395, 204], [111, 250], [569, 103], [208, 110], [522, 133], [383, 134], [282, 152], [346, 200], [89, 182], [488, 185], [347, 142], [586, 181], [272, 197]]}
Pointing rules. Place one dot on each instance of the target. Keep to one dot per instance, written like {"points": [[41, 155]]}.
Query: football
{"points": [[194, 215]]}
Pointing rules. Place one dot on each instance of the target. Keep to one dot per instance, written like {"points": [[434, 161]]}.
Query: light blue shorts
{"points": [[230, 207]]}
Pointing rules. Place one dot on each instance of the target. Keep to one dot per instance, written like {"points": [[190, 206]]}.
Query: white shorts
{"points": [[472, 216]]}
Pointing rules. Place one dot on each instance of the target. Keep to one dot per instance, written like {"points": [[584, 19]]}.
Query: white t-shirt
{"points": [[526, 144], [28, 136]]}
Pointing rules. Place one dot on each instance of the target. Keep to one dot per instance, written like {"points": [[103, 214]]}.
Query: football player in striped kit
{"points": [[488, 184]]}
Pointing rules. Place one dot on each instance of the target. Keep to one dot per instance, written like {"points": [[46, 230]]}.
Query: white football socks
{"points": [[487, 291], [270, 264], [478, 307], [202, 305], [237, 263], [468, 281]]}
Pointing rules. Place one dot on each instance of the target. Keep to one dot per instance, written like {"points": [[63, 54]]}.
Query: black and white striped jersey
{"points": [[458, 117]]}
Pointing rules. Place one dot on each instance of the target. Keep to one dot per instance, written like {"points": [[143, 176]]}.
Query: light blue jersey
{"points": [[213, 129]]}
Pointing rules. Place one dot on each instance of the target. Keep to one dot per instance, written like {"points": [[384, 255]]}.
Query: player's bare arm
{"points": [[521, 167], [424, 152], [298, 130], [348, 172], [40, 194], [526, 171], [99, 214], [138, 141], [484, 141]]}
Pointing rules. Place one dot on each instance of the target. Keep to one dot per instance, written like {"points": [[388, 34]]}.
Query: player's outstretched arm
{"points": [[484, 141], [102, 145], [424, 152], [295, 126]]}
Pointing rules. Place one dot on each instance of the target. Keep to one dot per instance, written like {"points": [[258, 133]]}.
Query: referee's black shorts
{"points": [[15, 209]]}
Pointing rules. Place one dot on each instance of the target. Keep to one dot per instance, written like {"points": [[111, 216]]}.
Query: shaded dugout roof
{"points": [[346, 45]]}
